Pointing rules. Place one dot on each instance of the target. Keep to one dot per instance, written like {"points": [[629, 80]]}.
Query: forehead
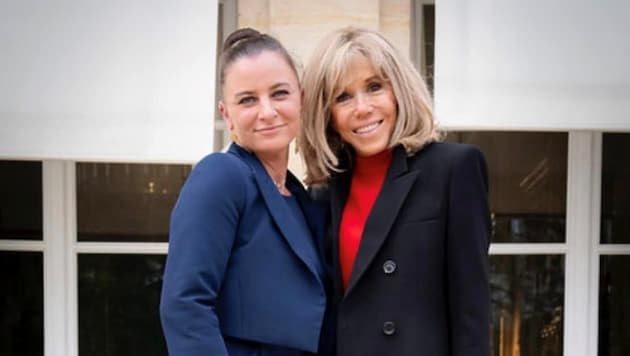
{"points": [[356, 68], [266, 67]]}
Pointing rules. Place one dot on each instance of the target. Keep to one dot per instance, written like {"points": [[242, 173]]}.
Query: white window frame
{"points": [[61, 253]]}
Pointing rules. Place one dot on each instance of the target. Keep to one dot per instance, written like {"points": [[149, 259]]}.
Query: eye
{"points": [[246, 100], [342, 97], [282, 93], [374, 86]]}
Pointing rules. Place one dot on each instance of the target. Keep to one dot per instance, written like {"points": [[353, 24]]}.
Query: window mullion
{"points": [[70, 238], [55, 257], [578, 259], [596, 196]]}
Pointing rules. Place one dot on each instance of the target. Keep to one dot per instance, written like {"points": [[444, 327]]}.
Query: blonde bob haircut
{"points": [[326, 73]]}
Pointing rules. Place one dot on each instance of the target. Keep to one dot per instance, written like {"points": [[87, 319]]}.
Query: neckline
{"points": [[375, 163]]}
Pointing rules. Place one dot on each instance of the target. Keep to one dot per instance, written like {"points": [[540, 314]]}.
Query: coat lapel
{"points": [[278, 209], [397, 184], [314, 213], [339, 190]]}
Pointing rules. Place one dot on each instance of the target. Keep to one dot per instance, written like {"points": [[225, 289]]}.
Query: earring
{"points": [[233, 137]]}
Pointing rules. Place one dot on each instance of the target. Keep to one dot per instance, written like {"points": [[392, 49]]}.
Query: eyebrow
{"points": [[374, 77], [250, 92]]}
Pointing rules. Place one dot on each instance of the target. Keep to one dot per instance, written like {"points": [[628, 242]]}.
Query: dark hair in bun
{"points": [[247, 42]]}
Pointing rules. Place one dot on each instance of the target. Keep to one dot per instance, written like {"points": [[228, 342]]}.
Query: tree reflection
{"points": [[527, 305]]}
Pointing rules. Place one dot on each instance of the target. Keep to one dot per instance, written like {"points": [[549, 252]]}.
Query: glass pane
{"points": [[527, 295], [614, 306], [428, 21], [20, 200], [127, 202], [118, 305], [21, 303], [615, 216], [527, 173]]}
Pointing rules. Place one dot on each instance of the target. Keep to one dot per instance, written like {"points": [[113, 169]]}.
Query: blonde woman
{"points": [[409, 215]]}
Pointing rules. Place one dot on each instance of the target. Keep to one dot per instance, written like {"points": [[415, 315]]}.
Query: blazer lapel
{"points": [[313, 213], [397, 184], [278, 209], [339, 190]]}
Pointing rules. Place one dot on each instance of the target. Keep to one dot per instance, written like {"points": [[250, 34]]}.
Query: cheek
{"points": [[290, 110], [243, 120]]}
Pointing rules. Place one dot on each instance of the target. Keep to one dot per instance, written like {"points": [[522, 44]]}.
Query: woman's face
{"points": [[262, 101], [364, 113]]}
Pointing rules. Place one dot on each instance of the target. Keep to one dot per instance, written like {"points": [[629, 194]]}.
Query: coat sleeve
{"points": [[202, 232], [468, 235]]}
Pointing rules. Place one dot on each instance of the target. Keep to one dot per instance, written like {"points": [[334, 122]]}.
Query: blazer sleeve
{"points": [[202, 232], [468, 235]]}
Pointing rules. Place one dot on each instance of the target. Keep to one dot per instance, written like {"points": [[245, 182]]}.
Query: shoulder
{"points": [[224, 166], [221, 161], [219, 173], [446, 153]]}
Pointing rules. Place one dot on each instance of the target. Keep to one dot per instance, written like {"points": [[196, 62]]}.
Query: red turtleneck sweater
{"points": [[367, 179]]}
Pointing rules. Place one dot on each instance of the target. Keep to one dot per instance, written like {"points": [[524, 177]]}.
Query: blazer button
{"points": [[389, 267], [389, 328]]}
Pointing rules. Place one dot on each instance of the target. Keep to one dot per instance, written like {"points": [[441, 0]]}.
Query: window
{"points": [[126, 202], [527, 174], [614, 248], [423, 27], [22, 303], [20, 200], [21, 259], [119, 296], [123, 214]]}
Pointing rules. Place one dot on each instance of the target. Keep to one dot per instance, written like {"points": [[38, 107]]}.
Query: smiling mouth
{"points": [[368, 128], [270, 128]]}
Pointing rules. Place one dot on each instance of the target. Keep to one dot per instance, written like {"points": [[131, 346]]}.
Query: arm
{"points": [[468, 234], [202, 232]]}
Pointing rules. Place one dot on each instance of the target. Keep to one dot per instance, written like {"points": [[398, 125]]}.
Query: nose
{"points": [[267, 109], [362, 104]]}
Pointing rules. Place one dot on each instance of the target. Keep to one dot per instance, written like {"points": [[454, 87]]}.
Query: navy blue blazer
{"points": [[237, 266]]}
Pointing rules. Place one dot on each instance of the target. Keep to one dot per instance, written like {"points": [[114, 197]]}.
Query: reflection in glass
{"points": [[127, 202], [428, 21], [20, 200], [527, 294], [615, 215], [21, 303], [614, 306], [527, 173], [118, 305]]}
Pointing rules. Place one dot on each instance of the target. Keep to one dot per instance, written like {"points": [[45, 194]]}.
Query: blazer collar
{"points": [[390, 199], [279, 210]]}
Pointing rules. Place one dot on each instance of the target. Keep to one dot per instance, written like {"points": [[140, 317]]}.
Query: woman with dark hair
{"points": [[244, 275], [409, 215]]}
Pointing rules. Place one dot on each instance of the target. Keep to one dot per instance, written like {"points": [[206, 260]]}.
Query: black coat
{"points": [[419, 285]]}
